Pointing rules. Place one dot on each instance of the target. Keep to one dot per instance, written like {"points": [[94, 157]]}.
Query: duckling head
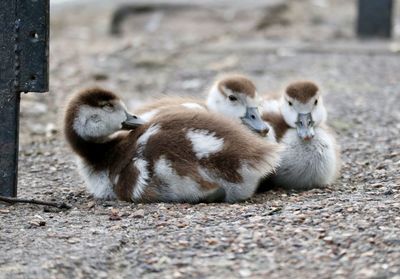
{"points": [[94, 114], [236, 96], [302, 108]]}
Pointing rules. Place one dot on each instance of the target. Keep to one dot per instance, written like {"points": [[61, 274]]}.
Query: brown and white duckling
{"points": [[311, 155], [234, 96], [176, 157]]}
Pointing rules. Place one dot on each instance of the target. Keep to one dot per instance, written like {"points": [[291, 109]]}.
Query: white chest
{"points": [[306, 164]]}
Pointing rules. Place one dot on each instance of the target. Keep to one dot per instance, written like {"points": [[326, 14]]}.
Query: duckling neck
{"points": [[96, 151]]}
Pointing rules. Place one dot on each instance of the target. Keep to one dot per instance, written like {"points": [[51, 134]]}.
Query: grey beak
{"points": [[132, 121], [252, 119], [305, 126]]}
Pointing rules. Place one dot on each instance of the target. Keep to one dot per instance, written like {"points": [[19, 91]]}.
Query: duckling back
{"points": [[150, 110], [190, 157]]}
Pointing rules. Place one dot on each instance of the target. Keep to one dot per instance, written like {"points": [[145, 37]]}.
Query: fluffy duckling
{"points": [[234, 96], [311, 155], [175, 157]]}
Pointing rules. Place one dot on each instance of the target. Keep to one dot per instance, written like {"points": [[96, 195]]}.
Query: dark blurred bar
{"points": [[374, 18]]}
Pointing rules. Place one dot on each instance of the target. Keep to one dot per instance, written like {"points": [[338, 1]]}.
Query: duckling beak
{"points": [[305, 126], [131, 122], [252, 119]]}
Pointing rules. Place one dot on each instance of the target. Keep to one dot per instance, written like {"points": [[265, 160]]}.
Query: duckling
{"points": [[234, 96], [175, 157], [311, 155]]}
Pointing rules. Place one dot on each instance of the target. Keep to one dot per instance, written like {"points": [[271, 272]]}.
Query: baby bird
{"points": [[176, 157], [311, 155], [233, 96], [236, 96]]}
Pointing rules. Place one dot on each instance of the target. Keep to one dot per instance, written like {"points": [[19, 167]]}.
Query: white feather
{"points": [[97, 182], [142, 179], [151, 131], [204, 142], [147, 116], [141, 164], [193, 106], [307, 164]]}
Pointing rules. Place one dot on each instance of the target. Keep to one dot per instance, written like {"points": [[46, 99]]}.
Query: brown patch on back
{"points": [[174, 147], [237, 83], [302, 91], [277, 122]]}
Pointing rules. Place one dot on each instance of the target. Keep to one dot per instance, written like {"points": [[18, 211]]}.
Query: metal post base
{"points": [[9, 123]]}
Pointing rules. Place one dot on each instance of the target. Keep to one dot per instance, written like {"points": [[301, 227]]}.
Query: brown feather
{"points": [[237, 83], [277, 122], [302, 91]]}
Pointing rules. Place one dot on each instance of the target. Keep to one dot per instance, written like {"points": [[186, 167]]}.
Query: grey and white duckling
{"points": [[175, 157], [233, 96], [311, 156]]}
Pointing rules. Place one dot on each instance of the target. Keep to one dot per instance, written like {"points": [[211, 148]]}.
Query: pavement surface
{"points": [[348, 230]]}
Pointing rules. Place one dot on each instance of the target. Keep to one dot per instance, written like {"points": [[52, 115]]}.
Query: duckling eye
{"points": [[108, 106], [316, 102], [290, 103], [232, 98]]}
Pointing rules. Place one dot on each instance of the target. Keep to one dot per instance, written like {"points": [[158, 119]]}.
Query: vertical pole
{"points": [[24, 37], [374, 18], [9, 99], [9, 120]]}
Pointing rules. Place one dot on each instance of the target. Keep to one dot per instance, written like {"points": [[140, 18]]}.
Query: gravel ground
{"points": [[349, 230]]}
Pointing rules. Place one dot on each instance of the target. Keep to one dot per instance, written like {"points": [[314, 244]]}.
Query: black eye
{"points": [[290, 103], [232, 98], [316, 102]]}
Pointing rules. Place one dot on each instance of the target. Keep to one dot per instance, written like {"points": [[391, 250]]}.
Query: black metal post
{"points": [[374, 18], [9, 115], [24, 36]]}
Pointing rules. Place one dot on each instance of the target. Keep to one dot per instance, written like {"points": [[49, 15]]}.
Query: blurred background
{"points": [[144, 49], [154, 47]]}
